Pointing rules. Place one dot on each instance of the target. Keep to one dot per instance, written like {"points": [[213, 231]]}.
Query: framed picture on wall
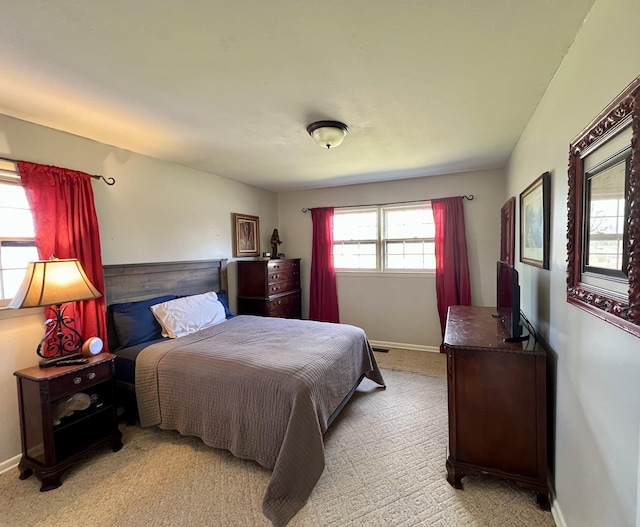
{"points": [[534, 222], [508, 231], [246, 235]]}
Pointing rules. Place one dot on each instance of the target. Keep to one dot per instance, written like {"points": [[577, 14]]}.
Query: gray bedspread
{"points": [[262, 388]]}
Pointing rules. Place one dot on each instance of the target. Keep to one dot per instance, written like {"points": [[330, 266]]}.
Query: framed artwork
{"points": [[534, 222], [246, 235], [508, 231]]}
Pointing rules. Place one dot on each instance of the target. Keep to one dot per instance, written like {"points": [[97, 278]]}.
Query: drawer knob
{"points": [[91, 375], [77, 380]]}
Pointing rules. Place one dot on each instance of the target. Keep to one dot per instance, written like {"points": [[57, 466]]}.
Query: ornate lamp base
{"points": [[61, 341]]}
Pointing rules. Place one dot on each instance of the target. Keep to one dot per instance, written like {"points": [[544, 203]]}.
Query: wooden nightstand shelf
{"points": [[48, 449]]}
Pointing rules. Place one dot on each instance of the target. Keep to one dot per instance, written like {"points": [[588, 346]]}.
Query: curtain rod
{"points": [[305, 209], [109, 181]]}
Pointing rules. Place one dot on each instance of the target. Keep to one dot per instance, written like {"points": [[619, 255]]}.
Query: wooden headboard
{"points": [[133, 282]]}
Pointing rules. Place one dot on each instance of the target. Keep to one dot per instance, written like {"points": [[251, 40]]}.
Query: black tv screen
{"points": [[508, 299]]}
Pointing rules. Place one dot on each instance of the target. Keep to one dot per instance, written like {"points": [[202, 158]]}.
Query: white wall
{"points": [[401, 308], [155, 212], [598, 366]]}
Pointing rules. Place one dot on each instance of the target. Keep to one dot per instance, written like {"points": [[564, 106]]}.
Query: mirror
{"points": [[603, 230], [606, 252]]}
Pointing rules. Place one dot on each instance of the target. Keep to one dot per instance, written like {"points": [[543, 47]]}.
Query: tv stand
{"points": [[497, 403]]}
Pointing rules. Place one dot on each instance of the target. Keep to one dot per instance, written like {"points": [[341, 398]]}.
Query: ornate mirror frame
{"points": [[616, 308]]}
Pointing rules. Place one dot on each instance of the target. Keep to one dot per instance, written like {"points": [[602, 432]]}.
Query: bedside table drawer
{"points": [[79, 380]]}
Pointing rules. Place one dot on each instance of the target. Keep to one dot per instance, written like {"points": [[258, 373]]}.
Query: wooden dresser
{"points": [[270, 288], [497, 403]]}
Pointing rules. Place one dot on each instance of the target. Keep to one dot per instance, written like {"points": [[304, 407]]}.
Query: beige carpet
{"points": [[385, 466]]}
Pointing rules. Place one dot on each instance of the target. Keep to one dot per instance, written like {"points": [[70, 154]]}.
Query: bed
{"points": [[265, 389]]}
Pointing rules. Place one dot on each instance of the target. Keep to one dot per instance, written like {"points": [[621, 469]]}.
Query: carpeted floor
{"points": [[385, 466]]}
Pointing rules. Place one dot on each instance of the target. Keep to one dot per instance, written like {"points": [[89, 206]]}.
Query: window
{"points": [[17, 239], [385, 238]]}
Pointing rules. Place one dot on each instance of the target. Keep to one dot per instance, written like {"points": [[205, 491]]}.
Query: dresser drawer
{"points": [[287, 306], [283, 265], [286, 312], [284, 275], [79, 380], [282, 287], [283, 301]]}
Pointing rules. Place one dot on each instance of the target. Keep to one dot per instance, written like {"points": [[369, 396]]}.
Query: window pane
{"points": [[16, 223], [409, 223], [11, 281], [395, 261], [395, 248], [17, 257], [17, 248], [13, 196], [410, 255], [414, 248], [354, 255], [355, 226], [413, 262], [367, 262]]}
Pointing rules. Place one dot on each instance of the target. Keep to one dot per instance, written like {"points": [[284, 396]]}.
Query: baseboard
{"points": [[556, 512], [400, 345], [9, 464]]}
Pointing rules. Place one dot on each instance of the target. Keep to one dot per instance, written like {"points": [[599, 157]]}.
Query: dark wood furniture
{"points": [[48, 449], [269, 288], [497, 403]]}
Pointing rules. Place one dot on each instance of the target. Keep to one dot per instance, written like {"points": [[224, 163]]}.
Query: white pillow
{"points": [[189, 314]]}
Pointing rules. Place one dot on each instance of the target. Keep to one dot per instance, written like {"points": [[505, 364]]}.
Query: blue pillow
{"points": [[222, 298], [134, 322]]}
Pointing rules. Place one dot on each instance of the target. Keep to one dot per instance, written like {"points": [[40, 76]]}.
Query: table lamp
{"points": [[52, 283]]}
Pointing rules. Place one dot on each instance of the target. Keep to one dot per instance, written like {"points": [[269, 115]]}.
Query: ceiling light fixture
{"points": [[328, 134]]}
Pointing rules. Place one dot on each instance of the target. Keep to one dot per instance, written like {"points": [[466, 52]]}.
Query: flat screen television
{"points": [[508, 301]]}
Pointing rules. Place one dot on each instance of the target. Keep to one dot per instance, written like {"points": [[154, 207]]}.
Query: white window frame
{"points": [[8, 175], [381, 240]]}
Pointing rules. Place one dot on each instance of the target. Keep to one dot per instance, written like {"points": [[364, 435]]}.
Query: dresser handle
{"points": [[77, 380], [91, 375]]}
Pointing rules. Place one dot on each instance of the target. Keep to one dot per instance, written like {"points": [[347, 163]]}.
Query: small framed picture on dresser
{"points": [[246, 235]]}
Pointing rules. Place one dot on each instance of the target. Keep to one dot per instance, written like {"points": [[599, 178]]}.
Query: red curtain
{"points": [[323, 298], [66, 226], [453, 286]]}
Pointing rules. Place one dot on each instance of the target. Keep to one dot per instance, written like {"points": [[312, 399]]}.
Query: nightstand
{"points": [[51, 444]]}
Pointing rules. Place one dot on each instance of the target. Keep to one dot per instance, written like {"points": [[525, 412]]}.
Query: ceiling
{"points": [[228, 87]]}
